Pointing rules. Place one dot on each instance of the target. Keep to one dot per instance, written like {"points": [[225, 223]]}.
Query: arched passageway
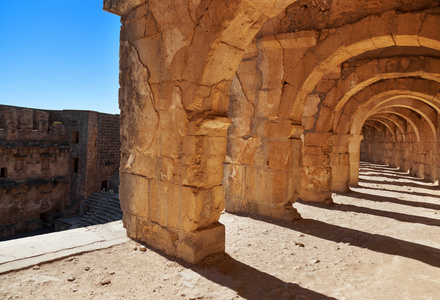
{"points": [[251, 105]]}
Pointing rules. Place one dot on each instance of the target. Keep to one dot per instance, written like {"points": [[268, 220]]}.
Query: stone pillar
{"points": [[173, 199], [177, 60], [263, 173], [436, 152], [316, 179], [171, 160], [340, 163], [354, 149]]}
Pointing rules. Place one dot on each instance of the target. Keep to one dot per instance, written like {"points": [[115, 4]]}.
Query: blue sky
{"points": [[59, 54]]}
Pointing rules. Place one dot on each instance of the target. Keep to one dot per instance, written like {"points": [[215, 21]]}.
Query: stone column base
{"points": [[316, 196], [191, 247]]}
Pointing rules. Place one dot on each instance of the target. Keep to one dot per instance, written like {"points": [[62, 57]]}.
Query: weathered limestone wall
{"points": [[50, 161], [23, 124], [326, 84], [34, 160], [109, 144], [94, 141], [297, 81], [418, 157], [177, 63], [263, 164]]}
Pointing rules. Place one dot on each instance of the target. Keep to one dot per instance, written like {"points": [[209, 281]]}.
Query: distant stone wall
{"points": [[24, 124], [408, 153], [34, 162], [95, 148], [50, 161], [108, 146]]}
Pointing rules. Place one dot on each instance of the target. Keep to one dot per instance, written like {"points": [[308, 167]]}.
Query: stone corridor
{"points": [[250, 106]]}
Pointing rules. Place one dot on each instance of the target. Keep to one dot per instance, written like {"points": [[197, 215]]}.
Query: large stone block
{"points": [[281, 212], [316, 196], [324, 122], [315, 160], [205, 145], [234, 180], [201, 207], [246, 151], [213, 126], [201, 170], [279, 153], [134, 194], [189, 246], [317, 139], [340, 173], [281, 186], [201, 243], [316, 178], [381, 30], [257, 185], [279, 128]]}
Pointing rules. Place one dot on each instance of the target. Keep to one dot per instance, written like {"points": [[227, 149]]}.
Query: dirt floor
{"points": [[381, 241]]}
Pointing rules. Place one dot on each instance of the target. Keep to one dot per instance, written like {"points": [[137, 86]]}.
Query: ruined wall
{"points": [[95, 154], [319, 15], [263, 164], [109, 144], [408, 153], [50, 161], [289, 75], [34, 160], [298, 80]]}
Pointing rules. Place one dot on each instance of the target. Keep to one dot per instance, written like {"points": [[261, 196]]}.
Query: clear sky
{"points": [[59, 54]]}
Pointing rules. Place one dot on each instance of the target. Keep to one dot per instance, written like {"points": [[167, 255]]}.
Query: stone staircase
{"points": [[101, 208]]}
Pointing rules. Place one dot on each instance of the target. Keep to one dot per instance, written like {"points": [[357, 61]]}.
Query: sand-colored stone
{"points": [[220, 109]]}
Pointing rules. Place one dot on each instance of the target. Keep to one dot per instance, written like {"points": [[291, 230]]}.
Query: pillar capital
{"points": [[120, 7]]}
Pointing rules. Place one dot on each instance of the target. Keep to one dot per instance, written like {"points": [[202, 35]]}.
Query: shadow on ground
{"points": [[373, 242], [376, 212], [410, 184], [367, 196], [246, 281]]}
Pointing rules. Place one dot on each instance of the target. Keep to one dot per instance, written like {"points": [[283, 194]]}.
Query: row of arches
{"points": [[283, 114]]}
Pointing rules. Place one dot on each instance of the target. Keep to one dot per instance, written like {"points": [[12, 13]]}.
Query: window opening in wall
{"points": [[2, 119], [18, 164], [104, 185], [3, 172], [34, 123], [75, 163], [45, 163], [75, 137]]}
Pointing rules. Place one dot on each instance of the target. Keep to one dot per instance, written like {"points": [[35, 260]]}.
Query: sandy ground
{"points": [[381, 241]]}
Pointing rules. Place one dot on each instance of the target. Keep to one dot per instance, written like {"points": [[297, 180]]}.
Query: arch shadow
{"points": [[376, 212], [374, 242], [365, 196], [394, 191], [248, 282], [410, 184], [395, 176]]}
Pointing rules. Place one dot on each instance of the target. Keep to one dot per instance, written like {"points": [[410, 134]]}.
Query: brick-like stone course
{"points": [[38, 149]]}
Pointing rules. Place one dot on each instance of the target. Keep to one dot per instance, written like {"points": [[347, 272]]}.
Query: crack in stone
{"points": [[153, 102], [232, 46], [253, 106], [196, 24]]}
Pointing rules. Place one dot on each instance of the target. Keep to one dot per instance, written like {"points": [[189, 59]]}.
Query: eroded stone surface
{"points": [[250, 105]]}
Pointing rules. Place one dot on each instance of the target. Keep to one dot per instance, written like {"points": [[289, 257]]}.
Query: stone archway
{"points": [[419, 110], [176, 66], [306, 89]]}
